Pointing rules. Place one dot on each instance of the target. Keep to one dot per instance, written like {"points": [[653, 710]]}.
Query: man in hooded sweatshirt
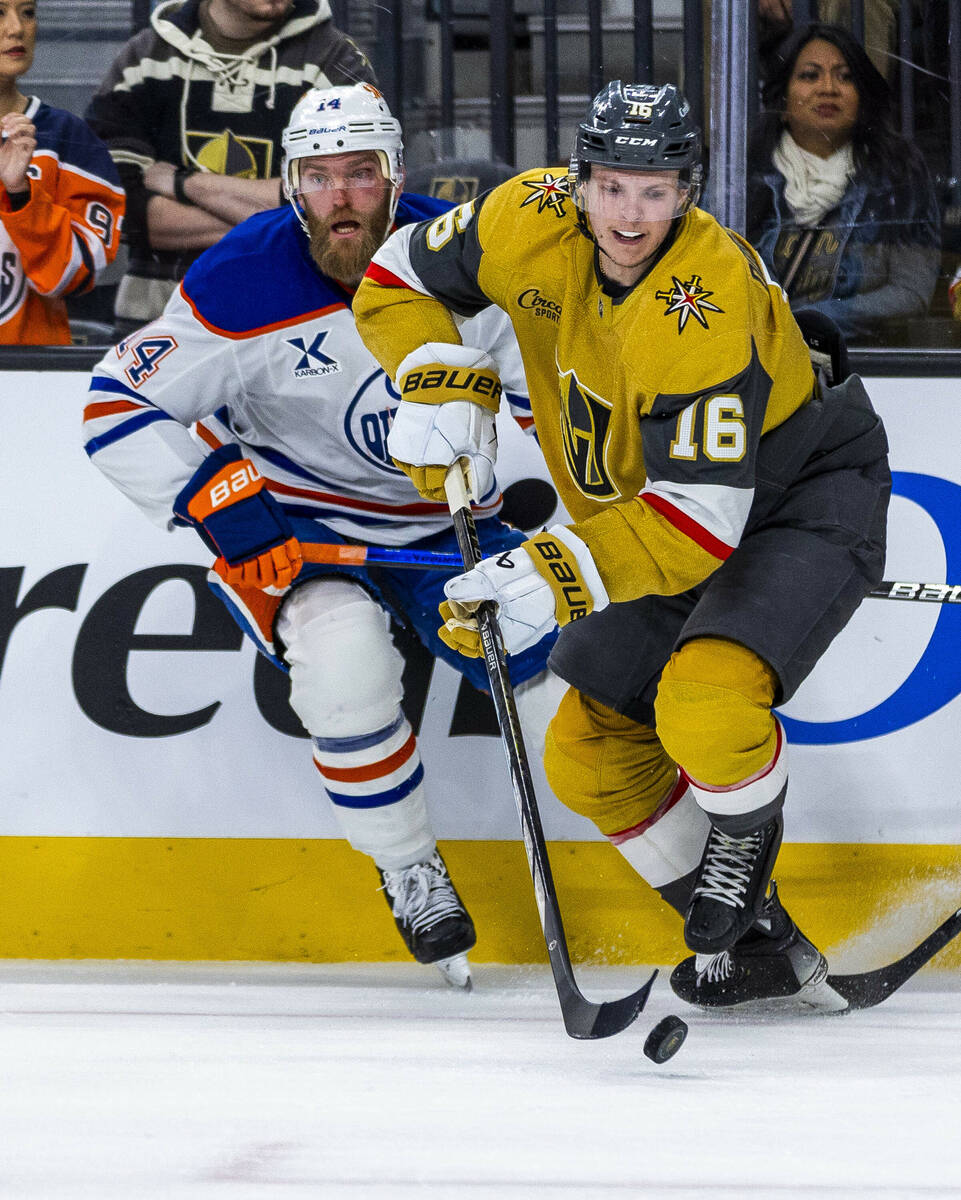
{"points": [[192, 110]]}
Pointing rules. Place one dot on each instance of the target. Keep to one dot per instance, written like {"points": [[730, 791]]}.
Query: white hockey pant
{"points": [[345, 686], [537, 700]]}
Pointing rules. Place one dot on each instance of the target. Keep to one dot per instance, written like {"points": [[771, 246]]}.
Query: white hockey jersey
{"points": [[258, 348]]}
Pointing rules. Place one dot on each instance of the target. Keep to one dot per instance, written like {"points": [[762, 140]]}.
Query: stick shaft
{"points": [[502, 694], [929, 593], [379, 556]]}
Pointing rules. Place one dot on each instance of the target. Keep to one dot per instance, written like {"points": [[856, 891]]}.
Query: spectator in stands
{"points": [[840, 206], [60, 198], [193, 109], [776, 19]]}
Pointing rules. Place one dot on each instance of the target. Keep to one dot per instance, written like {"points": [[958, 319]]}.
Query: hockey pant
{"points": [[717, 755], [346, 688]]}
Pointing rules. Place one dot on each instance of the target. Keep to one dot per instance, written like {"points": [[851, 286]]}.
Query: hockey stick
{"points": [[871, 987], [379, 556], [933, 593], [582, 1017]]}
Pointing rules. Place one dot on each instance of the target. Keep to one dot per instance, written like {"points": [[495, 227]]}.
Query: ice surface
{"points": [[264, 1081]]}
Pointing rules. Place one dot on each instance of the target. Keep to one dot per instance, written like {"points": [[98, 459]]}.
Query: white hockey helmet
{"points": [[341, 120]]}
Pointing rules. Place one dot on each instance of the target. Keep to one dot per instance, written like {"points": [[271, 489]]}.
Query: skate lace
{"points": [[728, 864], [422, 895], [718, 968]]}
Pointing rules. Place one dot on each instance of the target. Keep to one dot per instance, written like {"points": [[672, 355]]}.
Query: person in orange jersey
{"points": [[61, 201]]}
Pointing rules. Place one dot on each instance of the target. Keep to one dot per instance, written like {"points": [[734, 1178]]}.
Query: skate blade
{"points": [[818, 994], [456, 971]]}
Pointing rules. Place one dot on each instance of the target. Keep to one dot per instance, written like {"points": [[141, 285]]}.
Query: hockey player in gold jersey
{"points": [[729, 508]]}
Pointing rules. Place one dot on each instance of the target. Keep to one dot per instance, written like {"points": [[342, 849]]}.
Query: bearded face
{"points": [[343, 242]]}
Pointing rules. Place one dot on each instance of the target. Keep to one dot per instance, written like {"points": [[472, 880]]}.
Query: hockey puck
{"points": [[665, 1039]]}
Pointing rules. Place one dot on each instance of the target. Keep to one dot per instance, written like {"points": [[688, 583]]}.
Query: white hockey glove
{"points": [[549, 580], [450, 395]]}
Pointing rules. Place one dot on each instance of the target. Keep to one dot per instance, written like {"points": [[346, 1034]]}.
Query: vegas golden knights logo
{"points": [[456, 188], [585, 422]]}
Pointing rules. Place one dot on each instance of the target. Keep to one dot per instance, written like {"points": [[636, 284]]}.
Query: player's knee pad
{"points": [[345, 672], [605, 766], [713, 714], [713, 710]]}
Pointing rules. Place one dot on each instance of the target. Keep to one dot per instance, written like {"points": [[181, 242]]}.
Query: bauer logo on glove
{"points": [[482, 387], [450, 395], [549, 580], [572, 599], [239, 520], [227, 486]]}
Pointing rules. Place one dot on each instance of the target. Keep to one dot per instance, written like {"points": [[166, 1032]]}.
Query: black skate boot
{"points": [[435, 925], [773, 961], [729, 886]]}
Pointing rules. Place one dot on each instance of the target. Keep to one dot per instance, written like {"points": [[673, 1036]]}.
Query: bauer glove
{"points": [[548, 580], [237, 518], [449, 397]]}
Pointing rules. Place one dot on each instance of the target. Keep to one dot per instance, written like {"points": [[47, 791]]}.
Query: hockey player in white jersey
{"points": [[258, 351]]}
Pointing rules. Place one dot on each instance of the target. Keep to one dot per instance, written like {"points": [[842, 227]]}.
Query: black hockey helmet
{"points": [[639, 127]]}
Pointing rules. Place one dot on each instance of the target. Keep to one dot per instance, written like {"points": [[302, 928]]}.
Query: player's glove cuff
{"points": [[439, 372], [228, 505], [566, 564]]}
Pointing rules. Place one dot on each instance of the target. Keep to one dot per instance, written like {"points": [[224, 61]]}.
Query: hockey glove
{"points": [[228, 505], [548, 580], [449, 398]]}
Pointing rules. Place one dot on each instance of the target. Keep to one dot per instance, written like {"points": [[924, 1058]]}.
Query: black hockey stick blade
{"points": [[583, 1018], [872, 987]]}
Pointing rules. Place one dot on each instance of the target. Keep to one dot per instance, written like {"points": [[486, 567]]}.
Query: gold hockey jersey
{"points": [[650, 407]]}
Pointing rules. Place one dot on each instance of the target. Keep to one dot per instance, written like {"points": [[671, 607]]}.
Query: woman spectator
{"points": [[60, 198], [840, 206]]}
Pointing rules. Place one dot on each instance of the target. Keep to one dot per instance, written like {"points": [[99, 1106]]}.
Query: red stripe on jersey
{"points": [[687, 525], [385, 278], [424, 508], [672, 797], [206, 436], [375, 770], [249, 333], [107, 408]]}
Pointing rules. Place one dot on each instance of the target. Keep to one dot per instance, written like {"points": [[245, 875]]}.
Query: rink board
{"points": [[159, 803], [317, 901]]}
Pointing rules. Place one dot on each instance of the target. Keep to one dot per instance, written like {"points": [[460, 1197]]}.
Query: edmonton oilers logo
{"points": [[367, 421], [12, 284]]}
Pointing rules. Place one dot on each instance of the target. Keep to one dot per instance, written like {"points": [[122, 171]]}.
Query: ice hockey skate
{"points": [[773, 961], [432, 919], [729, 886]]}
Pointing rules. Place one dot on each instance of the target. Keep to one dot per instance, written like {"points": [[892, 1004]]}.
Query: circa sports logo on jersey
{"points": [[687, 300], [585, 424], [540, 305], [312, 360], [551, 193]]}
